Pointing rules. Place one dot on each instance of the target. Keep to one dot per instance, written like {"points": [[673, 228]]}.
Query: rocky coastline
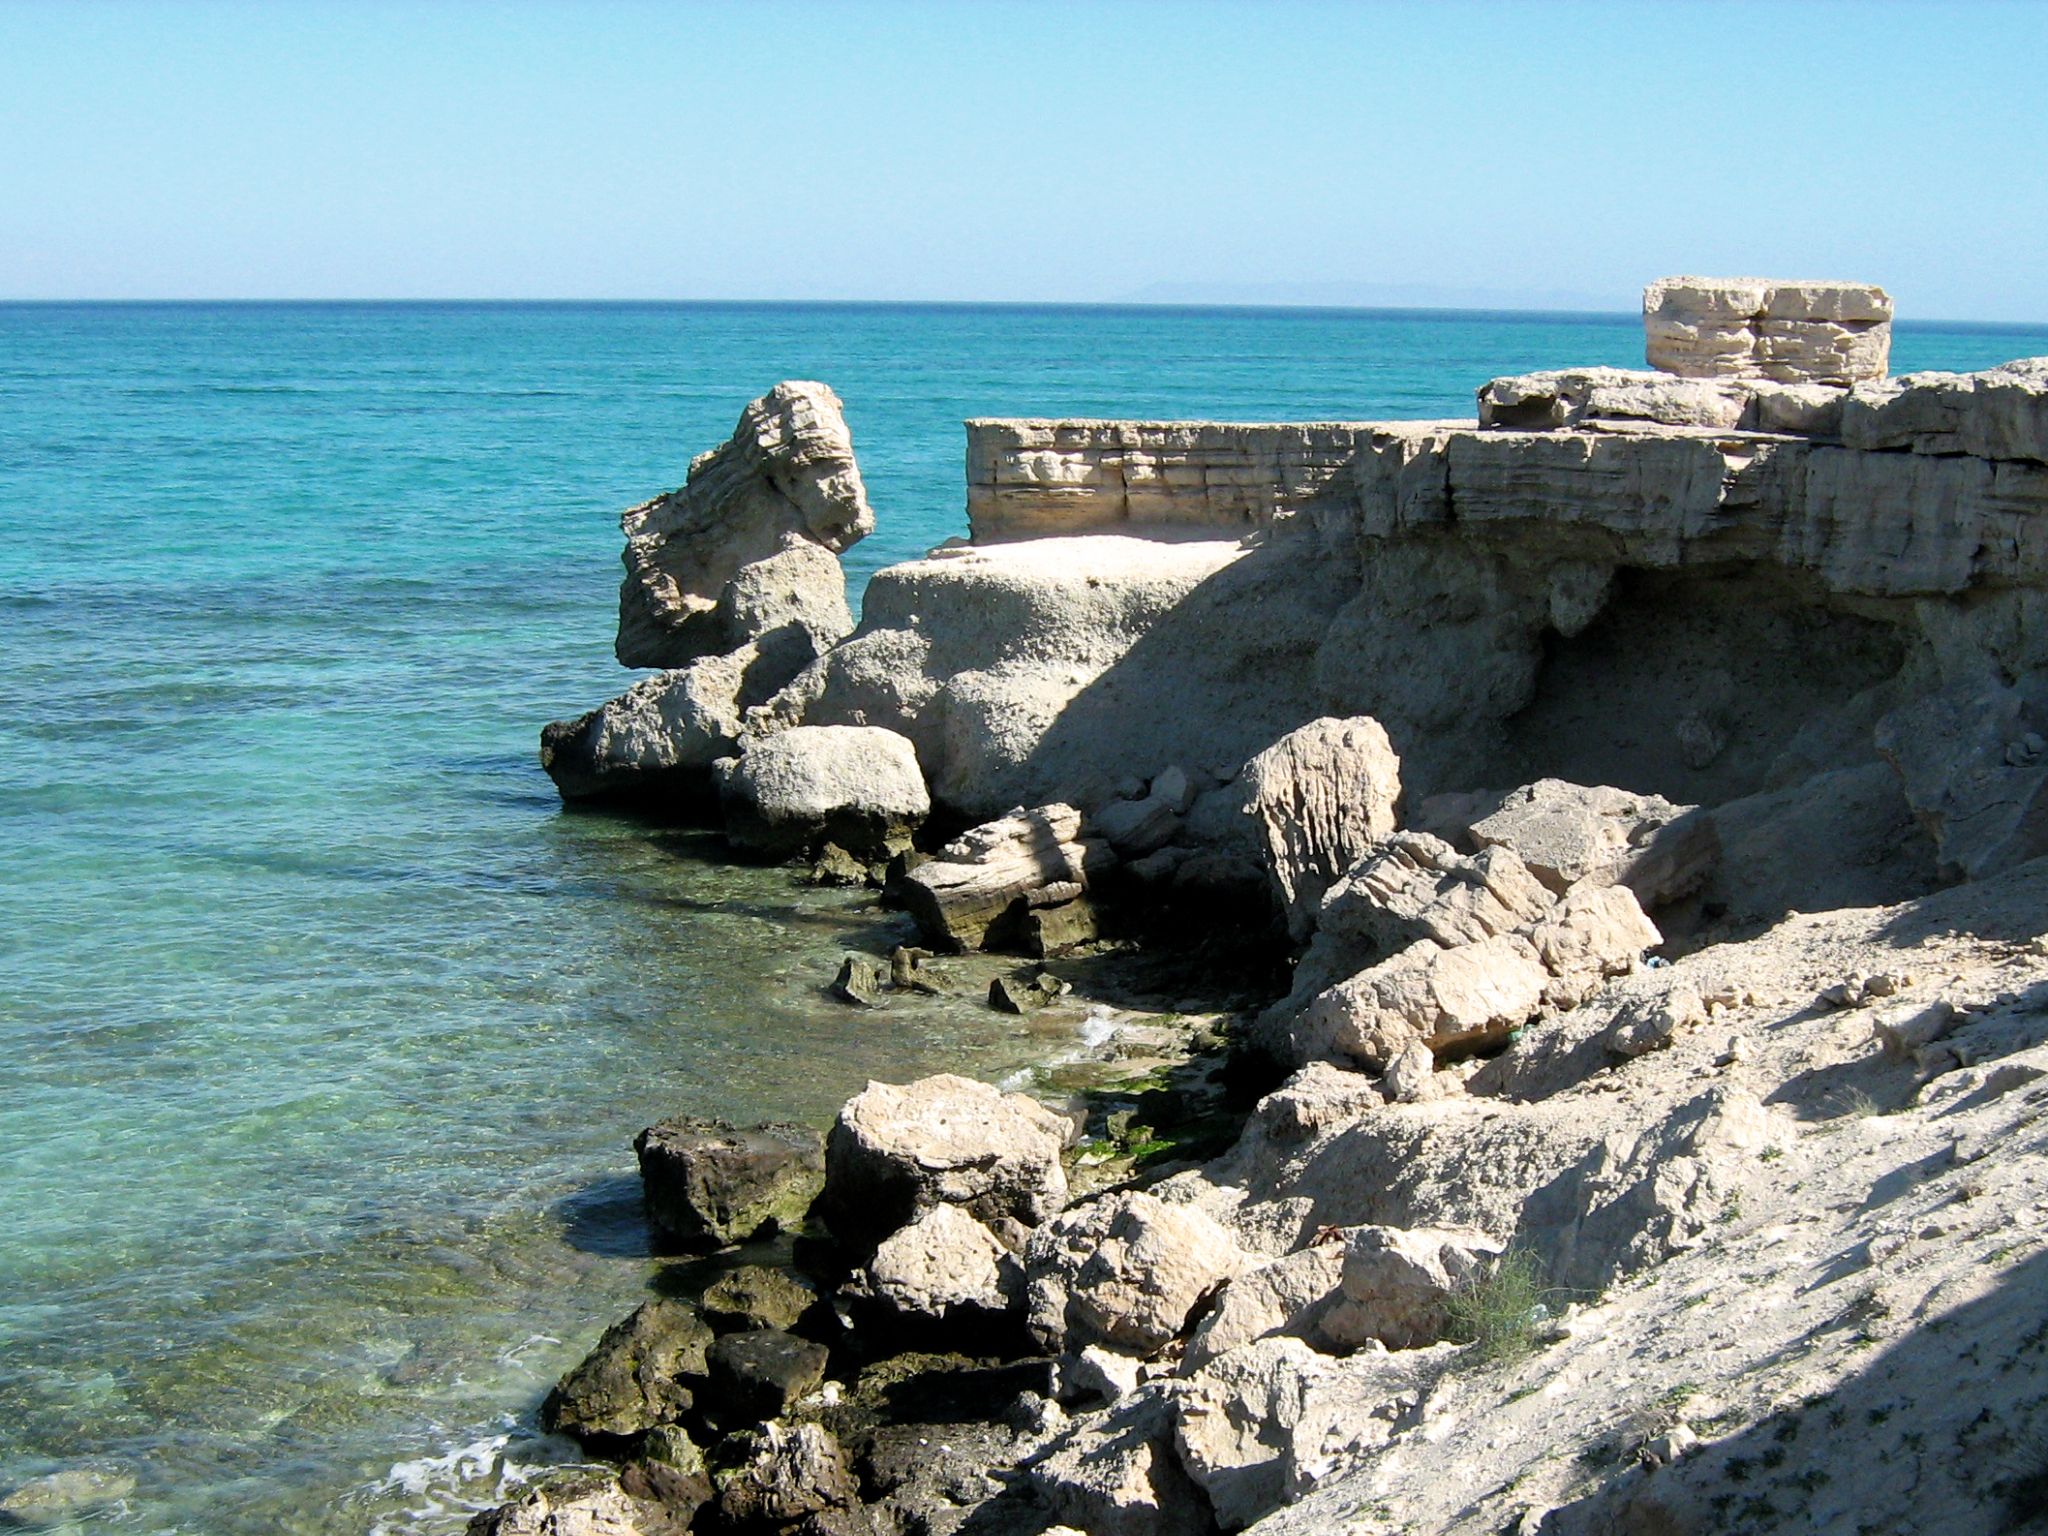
{"points": [[1578, 877]]}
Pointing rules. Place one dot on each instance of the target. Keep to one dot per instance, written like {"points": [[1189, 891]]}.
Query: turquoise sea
{"points": [[324, 1031]]}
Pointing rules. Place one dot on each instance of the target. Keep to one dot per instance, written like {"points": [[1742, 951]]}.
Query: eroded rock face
{"points": [[854, 785], [1567, 834], [1236, 1421], [2000, 413], [1322, 796], [1118, 1474], [1416, 887], [709, 1182], [1288, 1296], [1974, 766], [746, 548], [896, 1152], [1453, 1001], [1732, 327], [790, 1472]]}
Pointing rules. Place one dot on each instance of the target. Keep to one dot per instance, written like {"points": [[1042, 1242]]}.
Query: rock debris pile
{"points": [[1643, 784]]}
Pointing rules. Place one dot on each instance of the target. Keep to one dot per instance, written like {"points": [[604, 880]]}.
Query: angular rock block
{"points": [[709, 1182], [1322, 796], [958, 896], [641, 1374], [1721, 327]]}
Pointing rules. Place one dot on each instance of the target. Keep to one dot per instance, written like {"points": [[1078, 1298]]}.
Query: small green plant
{"points": [[1500, 1311]]}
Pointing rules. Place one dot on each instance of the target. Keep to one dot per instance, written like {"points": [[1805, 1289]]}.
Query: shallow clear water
{"points": [[324, 1030]]}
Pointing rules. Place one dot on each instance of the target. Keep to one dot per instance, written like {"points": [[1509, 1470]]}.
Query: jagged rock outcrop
{"points": [[944, 1267], [1126, 1270], [657, 741], [1397, 1285], [1573, 834], [747, 548], [1974, 766], [641, 1374], [856, 786], [733, 585], [1723, 327]]}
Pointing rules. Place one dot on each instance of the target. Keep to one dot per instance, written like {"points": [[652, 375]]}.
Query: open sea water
{"points": [[324, 1030]]}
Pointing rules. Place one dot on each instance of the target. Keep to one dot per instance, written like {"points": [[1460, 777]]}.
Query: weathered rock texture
{"points": [[1732, 327], [747, 546], [857, 786], [1029, 478], [732, 584]]}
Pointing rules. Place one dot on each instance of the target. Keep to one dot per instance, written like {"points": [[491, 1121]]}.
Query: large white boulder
{"points": [[1454, 1001], [1125, 1270], [895, 1152], [1397, 1285], [943, 1267], [855, 785]]}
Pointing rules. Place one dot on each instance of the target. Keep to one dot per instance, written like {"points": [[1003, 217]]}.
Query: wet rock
{"points": [[911, 970], [709, 1182], [758, 1374], [57, 1498], [855, 785], [785, 1474], [758, 1296], [747, 548], [580, 1503], [1025, 994], [1397, 1282], [1288, 1296], [860, 981], [977, 878], [660, 737], [1322, 795], [669, 1470], [897, 1151], [1049, 931], [834, 866], [642, 1373], [944, 1267]]}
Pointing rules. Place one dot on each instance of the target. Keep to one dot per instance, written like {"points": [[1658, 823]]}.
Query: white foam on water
{"points": [[444, 1490]]}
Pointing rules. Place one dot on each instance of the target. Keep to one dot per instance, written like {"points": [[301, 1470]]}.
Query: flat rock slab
{"points": [[757, 1375]]}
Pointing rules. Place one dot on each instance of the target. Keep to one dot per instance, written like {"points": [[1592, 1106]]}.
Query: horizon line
{"points": [[843, 303]]}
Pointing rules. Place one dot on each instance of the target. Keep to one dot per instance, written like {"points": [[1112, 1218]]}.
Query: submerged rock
{"points": [[641, 1374], [711, 1182], [860, 981], [853, 785], [58, 1498]]}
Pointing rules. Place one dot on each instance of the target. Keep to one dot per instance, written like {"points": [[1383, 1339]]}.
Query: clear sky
{"points": [[1531, 152]]}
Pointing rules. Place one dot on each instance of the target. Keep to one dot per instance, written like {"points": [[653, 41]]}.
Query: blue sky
{"points": [[1534, 152]]}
